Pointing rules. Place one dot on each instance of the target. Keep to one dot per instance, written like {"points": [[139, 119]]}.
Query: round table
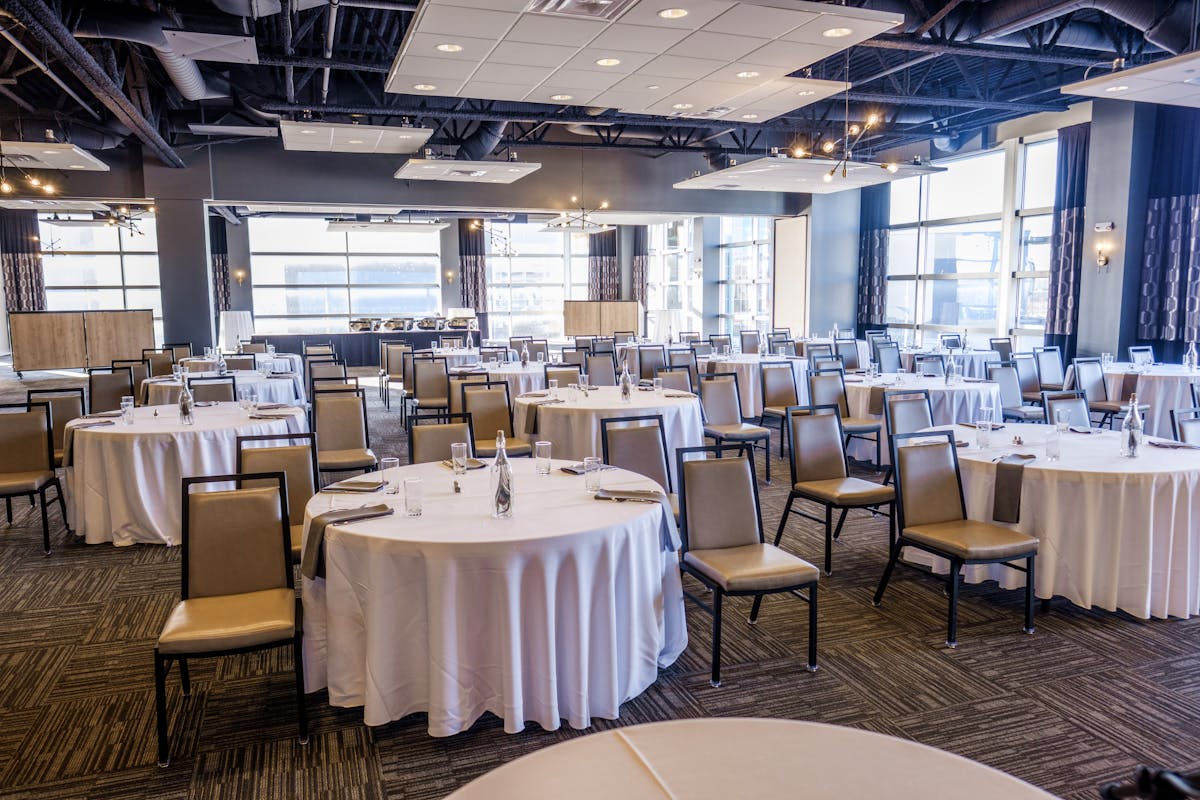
{"points": [[574, 426], [123, 481], [1163, 387], [563, 611], [457, 356], [973, 363], [276, 389], [280, 362], [1116, 533], [719, 759], [748, 369], [520, 379]]}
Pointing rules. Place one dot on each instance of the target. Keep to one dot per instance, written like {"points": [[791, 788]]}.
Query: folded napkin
{"points": [[283, 374], [472, 463], [281, 377], [531, 415], [974, 380], [270, 416], [852, 379], [1169, 445], [1078, 429], [103, 415], [96, 424], [313, 563], [269, 406], [875, 403], [676, 395], [535, 394], [996, 426], [1006, 502], [359, 484]]}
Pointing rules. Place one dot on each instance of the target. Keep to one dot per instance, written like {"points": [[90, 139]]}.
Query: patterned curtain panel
{"points": [[21, 261], [472, 264], [641, 264], [873, 220], [1169, 306], [604, 276], [219, 247], [1066, 238]]}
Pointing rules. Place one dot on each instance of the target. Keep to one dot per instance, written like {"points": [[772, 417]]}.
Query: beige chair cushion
{"points": [[775, 411], [752, 567], [846, 491], [345, 459], [860, 425], [17, 482], [228, 622], [1115, 407], [1032, 397], [58, 457], [968, 538], [737, 430], [1026, 412], [513, 445], [297, 533]]}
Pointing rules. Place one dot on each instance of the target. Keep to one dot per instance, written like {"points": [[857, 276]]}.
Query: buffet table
{"points": [[361, 348]]}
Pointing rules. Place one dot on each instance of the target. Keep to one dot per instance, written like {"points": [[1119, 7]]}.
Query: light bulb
{"points": [[854, 129], [48, 188], [828, 147], [798, 152], [6, 187], [828, 177], [873, 119], [892, 167], [33, 181]]}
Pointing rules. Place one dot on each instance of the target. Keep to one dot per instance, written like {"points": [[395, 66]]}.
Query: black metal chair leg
{"points": [[62, 505], [160, 703], [767, 448], [892, 525], [952, 632], [878, 452], [828, 540], [301, 705], [715, 679], [8, 508], [787, 509], [185, 679], [812, 628], [887, 574], [754, 609], [841, 520], [45, 522], [1030, 575]]}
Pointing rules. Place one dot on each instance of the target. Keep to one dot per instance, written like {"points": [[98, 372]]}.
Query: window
{"points": [[307, 279], [746, 271], [101, 267], [673, 284], [530, 272], [1031, 275]]}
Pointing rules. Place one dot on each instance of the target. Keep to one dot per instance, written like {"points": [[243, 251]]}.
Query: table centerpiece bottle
{"points": [[626, 383], [1131, 430], [185, 406], [501, 481]]}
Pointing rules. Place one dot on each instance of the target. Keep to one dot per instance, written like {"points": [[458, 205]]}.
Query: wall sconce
{"points": [[449, 275], [1101, 257], [240, 275]]}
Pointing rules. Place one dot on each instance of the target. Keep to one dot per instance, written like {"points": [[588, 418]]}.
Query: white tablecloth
{"points": [[282, 389], [457, 356], [973, 364], [520, 379], [1163, 387], [236, 326], [574, 426], [958, 403], [1116, 533], [720, 759], [280, 362], [749, 369], [124, 483], [564, 611]]}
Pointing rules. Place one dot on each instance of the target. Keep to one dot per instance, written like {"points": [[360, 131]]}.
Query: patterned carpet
{"points": [[1083, 701]]}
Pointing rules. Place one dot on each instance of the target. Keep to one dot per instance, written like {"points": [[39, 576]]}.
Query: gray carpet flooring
{"points": [[1083, 701]]}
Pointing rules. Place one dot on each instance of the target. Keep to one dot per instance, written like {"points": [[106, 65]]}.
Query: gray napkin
{"points": [[875, 403], [103, 415], [69, 438], [1006, 503], [313, 563], [1169, 445], [531, 418]]}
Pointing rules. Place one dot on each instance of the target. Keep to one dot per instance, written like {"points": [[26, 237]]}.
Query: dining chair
{"points": [[788, 346], [393, 372], [1141, 355], [237, 593], [140, 371], [823, 362], [252, 347], [1002, 346], [486, 354], [198, 365], [887, 356], [828, 387], [932, 516], [317, 349], [1049, 367], [1089, 377], [335, 385], [750, 342], [723, 545], [950, 341], [106, 387], [63, 405], [777, 382], [585, 342], [1012, 403], [1028, 378], [326, 367], [650, 358], [875, 334], [623, 337], [456, 384], [343, 440], [687, 337], [820, 475], [213, 390], [720, 341], [565, 374], [678, 379], [158, 362], [905, 411], [451, 342], [178, 349], [1186, 424], [721, 409], [429, 442], [605, 344], [1074, 401], [490, 408], [431, 387], [639, 444], [240, 363], [279, 453], [684, 357], [601, 371], [817, 349], [539, 346], [847, 350], [27, 463], [515, 343], [577, 356], [934, 365], [702, 348]]}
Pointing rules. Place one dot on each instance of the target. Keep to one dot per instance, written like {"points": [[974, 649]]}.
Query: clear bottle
{"points": [[1190, 359], [626, 383], [222, 367], [502, 481], [524, 355], [185, 406], [1131, 430]]}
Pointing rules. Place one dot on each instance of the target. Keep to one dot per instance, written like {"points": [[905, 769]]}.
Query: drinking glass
{"points": [[458, 457], [983, 427], [388, 467], [1106, 360], [270, 349], [541, 357], [591, 473], [127, 409], [726, 350], [1062, 419], [412, 497], [658, 387], [552, 385], [541, 457], [781, 351], [583, 382], [1053, 445], [177, 372]]}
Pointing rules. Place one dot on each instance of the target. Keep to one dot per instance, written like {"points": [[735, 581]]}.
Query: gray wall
{"points": [[833, 261]]}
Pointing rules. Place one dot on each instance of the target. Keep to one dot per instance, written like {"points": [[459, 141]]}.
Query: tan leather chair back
{"points": [[488, 407], [324, 369], [340, 422], [563, 375], [929, 365], [750, 342], [719, 399], [601, 371], [817, 453], [702, 348], [639, 448], [827, 389], [720, 341], [393, 359], [335, 385], [928, 482], [456, 385], [778, 384], [197, 366], [63, 409], [181, 351], [160, 363], [575, 356], [675, 379], [105, 390], [24, 441], [848, 350], [720, 507], [498, 353], [318, 350], [451, 342], [649, 359], [254, 347], [430, 381], [1049, 366], [295, 462], [908, 414], [217, 390], [234, 543], [430, 443], [240, 362], [1076, 406], [539, 346], [889, 357], [1089, 378]]}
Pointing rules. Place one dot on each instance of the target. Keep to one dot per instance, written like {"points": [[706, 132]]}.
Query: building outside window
{"points": [[746, 273], [530, 272], [309, 280], [674, 285], [101, 267]]}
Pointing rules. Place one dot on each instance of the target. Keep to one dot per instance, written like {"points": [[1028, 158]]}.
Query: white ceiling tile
{"points": [[861, 30], [531, 55], [493, 91], [733, 73], [702, 94], [644, 38], [699, 12], [443, 68], [790, 55], [1176, 70], [512, 75], [1160, 82], [762, 21], [640, 84], [333, 137], [680, 67], [404, 83], [51, 155], [1179, 94], [425, 44], [540, 28], [588, 56], [546, 93], [583, 79], [704, 44], [466, 171], [480, 23], [630, 102], [501, 5]]}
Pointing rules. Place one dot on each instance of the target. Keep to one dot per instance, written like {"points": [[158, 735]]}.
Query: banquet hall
{"points": [[588, 398]]}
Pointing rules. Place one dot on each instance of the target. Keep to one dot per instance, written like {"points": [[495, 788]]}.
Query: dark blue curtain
{"points": [[874, 217], [1169, 304], [21, 261], [1066, 239]]}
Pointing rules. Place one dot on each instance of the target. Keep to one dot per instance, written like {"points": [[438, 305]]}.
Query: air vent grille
{"points": [[592, 9]]}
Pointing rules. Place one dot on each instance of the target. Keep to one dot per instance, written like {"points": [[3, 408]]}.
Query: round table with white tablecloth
{"points": [[723, 758], [279, 362], [1163, 387], [274, 389], [529, 378], [457, 356], [973, 363], [563, 611], [123, 481], [573, 426], [958, 402], [1115, 533], [748, 369]]}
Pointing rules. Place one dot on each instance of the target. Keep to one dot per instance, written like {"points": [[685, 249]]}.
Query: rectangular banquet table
{"points": [[361, 348]]}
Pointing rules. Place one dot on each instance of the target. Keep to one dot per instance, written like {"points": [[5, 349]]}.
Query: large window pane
{"points": [[526, 289], [1041, 167], [394, 269], [902, 251], [269, 325], [84, 300], [969, 186], [141, 270], [1032, 296], [144, 240], [82, 270], [901, 305], [395, 302], [293, 235], [377, 241], [317, 301], [905, 202], [960, 303], [298, 270], [973, 247], [144, 298], [83, 238], [1035, 244]]}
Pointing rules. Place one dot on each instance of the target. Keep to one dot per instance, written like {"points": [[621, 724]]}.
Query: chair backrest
{"points": [[605, 344], [253, 347], [818, 349], [621, 337], [1075, 402], [431, 381], [818, 451], [928, 488], [197, 366], [577, 356], [341, 421], [139, 369], [325, 368], [1049, 365], [563, 373], [907, 411], [788, 347], [718, 500], [179, 349], [297, 462], [750, 341], [1186, 422], [1027, 372], [637, 444], [1002, 346], [828, 388], [684, 357], [515, 342], [719, 341], [430, 442], [702, 348], [675, 378], [823, 362], [1005, 375], [213, 390], [334, 385], [929, 365], [1141, 354], [783, 331], [847, 349], [393, 359], [489, 407], [584, 342], [159, 363], [486, 354], [601, 371], [539, 346], [317, 349], [951, 341], [650, 358], [456, 384], [778, 384], [719, 398], [26, 438], [64, 405], [888, 356], [236, 541], [107, 387], [454, 342], [239, 362], [1089, 378], [689, 337]]}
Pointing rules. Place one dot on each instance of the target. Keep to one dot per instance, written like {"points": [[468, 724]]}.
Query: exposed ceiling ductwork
{"points": [[479, 145]]}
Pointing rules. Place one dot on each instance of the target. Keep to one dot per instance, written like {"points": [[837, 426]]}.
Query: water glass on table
{"points": [[412, 497], [658, 386], [541, 457], [583, 382], [458, 457], [552, 385], [983, 427], [388, 469], [592, 465], [127, 409]]}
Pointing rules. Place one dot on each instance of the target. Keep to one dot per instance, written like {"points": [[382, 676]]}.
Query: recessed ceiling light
{"points": [[513, 169], [673, 13], [1120, 88], [49, 152], [424, 87], [429, 166], [560, 97], [450, 48], [653, 86], [403, 135], [77, 166], [749, 116], [354, 141], [309, 131], [836, 33], [607, 62], [682, 106], [747, 74], [806, 93]]}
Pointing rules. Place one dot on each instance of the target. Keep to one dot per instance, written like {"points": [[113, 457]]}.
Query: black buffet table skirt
{"points": [[359, 349]]}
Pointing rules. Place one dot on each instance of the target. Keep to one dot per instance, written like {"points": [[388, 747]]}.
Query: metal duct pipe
{"points": [[482, 142], [330, 28], [133, 25], [37, 62]]}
